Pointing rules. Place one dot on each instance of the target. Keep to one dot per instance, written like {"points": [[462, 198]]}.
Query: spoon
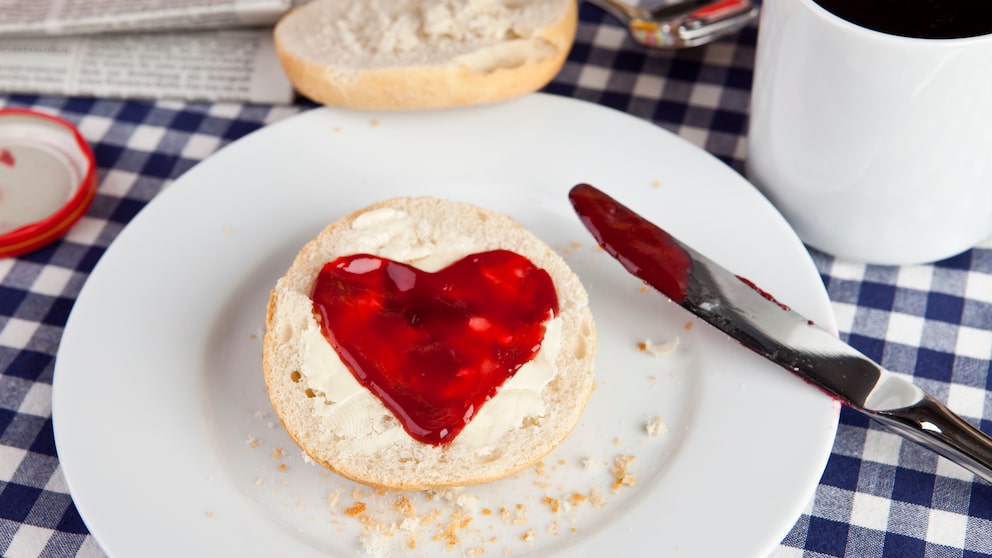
{"points": [[681, 25]]}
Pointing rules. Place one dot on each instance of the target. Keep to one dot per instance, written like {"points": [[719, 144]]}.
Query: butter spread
{"points": [[356, 412]]}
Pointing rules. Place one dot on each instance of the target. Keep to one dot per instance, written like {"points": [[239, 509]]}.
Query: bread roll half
{"points": [[416, 54], [348, 429]]}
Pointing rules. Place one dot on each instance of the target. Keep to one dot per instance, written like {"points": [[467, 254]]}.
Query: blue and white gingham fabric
{"points": [[879, 496]]}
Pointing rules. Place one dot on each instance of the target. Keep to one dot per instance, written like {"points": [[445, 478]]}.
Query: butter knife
{"points": [[755, 319]]}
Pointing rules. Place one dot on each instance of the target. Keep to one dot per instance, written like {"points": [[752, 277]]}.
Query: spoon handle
{"points": [[681, 25]]}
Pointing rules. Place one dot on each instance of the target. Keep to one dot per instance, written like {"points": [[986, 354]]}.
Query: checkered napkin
{"points": [[879, 496], [882, 496]]}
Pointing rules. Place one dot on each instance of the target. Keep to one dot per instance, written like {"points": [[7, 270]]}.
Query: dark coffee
{"points": [[927, 19]]}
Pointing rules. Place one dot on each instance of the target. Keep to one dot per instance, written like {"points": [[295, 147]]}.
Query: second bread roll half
{"points": [[417, 54]]}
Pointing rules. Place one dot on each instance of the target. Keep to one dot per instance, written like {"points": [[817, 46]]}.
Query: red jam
{"points": [[434, 347], [644, 249], [764, 294]]}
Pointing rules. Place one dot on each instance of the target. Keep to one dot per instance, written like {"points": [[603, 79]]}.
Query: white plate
{"points": [[165, 433]]}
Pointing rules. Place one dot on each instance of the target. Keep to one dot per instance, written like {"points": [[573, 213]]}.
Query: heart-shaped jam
{"points": [[434, 347]]}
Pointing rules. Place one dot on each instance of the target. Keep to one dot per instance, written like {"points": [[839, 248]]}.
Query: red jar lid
{"points": [[47, 179]]}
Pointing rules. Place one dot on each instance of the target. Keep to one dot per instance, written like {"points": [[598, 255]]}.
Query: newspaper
{"points": [[43, 17], [207, 50]]}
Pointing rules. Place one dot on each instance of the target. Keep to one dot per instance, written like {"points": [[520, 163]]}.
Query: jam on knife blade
{"points": [[647, 252]]}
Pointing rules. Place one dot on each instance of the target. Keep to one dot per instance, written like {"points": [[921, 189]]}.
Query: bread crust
{"points": [[447, 83], [408, 464]]}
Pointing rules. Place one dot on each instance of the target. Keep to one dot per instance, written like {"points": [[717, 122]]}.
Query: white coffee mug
{"points": [[875, 147]]}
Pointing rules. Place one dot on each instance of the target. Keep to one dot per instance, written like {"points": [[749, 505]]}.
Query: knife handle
{"points": [[932, 425]]}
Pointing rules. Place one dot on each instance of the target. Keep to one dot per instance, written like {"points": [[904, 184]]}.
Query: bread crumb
{"points": [[373, 123], [355, 510], [656, 427], [430, 516], [332, 499], [375, 542], [449, 534], [210, 514], [467, 502], [277, 453], [576, 499], [575, 244], [597, 499], [621, 476], [658, 349], [553, 503], [253, 442], [281, 468], [409, 525], [688, 325], [588, 463], [405, 505], [528, 536], [655, 184], [518, 517]]}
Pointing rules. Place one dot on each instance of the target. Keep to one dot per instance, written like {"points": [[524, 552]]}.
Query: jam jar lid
{"points": [[47, 179]]}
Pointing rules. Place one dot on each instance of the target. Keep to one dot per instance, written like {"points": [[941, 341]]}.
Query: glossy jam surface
{"points": [[434, 347], [645, 250]]}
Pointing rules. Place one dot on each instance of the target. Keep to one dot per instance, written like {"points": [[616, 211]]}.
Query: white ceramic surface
{"points": [[169, 445], [875, 147]]}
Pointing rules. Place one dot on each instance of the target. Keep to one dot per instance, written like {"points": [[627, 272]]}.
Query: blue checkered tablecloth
{"points": [[879, 496]]}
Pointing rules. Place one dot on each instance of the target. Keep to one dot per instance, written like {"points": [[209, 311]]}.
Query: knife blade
{"points": [[759, 322]]}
